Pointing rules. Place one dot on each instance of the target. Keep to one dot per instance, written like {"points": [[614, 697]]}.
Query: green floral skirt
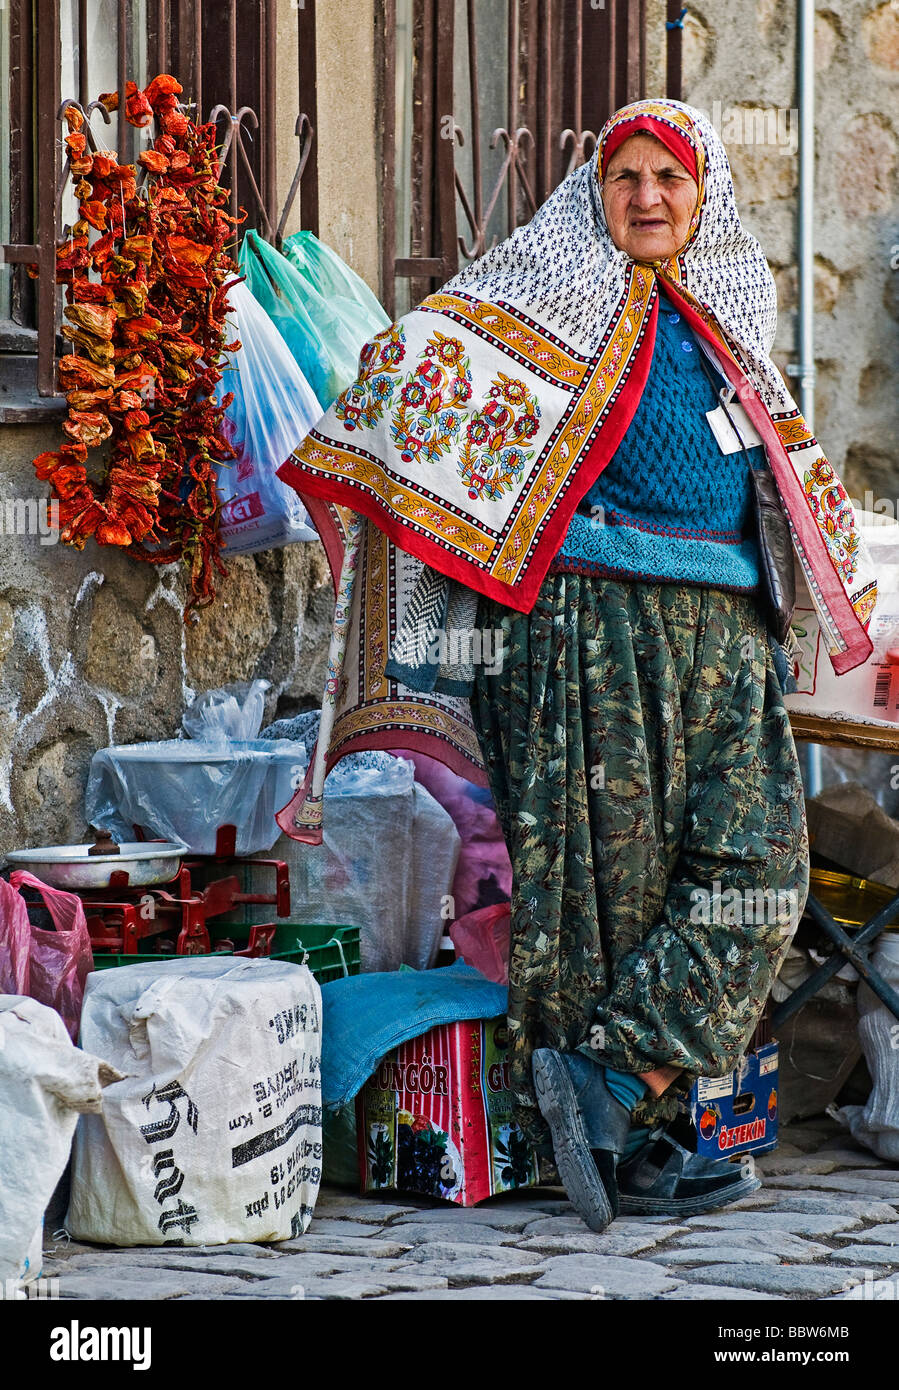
{"points": [[646, 779]]}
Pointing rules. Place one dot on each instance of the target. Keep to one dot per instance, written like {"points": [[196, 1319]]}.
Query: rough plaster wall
{"points": [[347, 150], [287, 146], [741, 54]]}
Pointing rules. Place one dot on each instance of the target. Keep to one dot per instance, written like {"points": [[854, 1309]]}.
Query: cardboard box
{"points": [[849, 827], [436, 1117], [737, 1113]]}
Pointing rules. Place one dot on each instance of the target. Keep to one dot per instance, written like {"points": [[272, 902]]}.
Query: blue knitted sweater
{"points": [[669, 505]]}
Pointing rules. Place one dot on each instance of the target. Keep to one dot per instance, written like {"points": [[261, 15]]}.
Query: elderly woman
{"points": [[568, 435]]}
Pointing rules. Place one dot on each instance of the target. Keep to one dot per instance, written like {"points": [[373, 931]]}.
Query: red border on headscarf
{"points": [[850, 627], [673, 139]]}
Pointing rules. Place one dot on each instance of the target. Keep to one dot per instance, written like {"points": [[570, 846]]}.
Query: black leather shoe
{"points": [[667, 1179], [589, 1129]]}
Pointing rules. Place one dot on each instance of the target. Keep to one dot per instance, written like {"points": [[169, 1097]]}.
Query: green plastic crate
{"points": [[329, 948]]}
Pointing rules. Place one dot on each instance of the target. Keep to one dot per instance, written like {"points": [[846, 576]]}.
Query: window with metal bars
{"points": [[56, 51], [487, 105]]}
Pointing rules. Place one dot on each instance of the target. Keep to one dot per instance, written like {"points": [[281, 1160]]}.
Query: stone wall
{"points": [[93, 648], [740, 66]]}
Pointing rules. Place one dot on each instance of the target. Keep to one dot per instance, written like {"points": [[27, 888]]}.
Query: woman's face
{"points": [[649, 199]]}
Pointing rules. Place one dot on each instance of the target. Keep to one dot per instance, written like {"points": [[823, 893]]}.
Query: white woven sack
{"points": [[45, 1082], [214, 1135]]}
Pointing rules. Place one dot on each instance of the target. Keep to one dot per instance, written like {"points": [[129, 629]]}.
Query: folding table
{"points": [[844, 733]]}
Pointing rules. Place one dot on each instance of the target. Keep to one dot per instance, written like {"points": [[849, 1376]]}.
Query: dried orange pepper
{"points": [[149, 336]]}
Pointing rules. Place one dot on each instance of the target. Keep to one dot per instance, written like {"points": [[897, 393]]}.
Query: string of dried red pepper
{"points": [[145, 313]]}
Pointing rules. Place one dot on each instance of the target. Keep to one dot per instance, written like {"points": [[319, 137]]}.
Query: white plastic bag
{"points": [[184, 789], [230, 712], [385, 865], [274, 407], [214, 1134], [876, 1124], [870, 691], [45, 1082]]}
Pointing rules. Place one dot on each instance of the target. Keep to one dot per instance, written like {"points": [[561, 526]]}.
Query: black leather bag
{"points": [[778, 575]]}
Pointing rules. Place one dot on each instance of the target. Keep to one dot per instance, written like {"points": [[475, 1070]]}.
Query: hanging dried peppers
{"points": [[145, 313]]}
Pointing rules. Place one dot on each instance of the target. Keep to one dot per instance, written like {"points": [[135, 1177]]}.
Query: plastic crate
{"points": [[333, 951], [328, 948]]}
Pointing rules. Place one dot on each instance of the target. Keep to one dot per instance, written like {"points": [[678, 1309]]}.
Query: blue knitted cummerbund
{"points": [[669, 505]]}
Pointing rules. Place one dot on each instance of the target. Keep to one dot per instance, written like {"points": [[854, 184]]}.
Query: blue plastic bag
{"points": [[326, 350], [332, 278], [273, 408]]}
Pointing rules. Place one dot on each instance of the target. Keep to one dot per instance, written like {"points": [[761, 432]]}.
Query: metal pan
{"points": [[71, 867]]}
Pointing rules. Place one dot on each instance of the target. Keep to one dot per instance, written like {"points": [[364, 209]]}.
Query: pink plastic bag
{"points": [[483, 873], [482, 940], [15, 942], [59, 961]]}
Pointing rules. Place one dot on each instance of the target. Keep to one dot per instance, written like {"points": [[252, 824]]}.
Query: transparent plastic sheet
{"points": [[274, 407], [184, 789], [326, 350], [228, 712], [385, 865], [59, 961]]}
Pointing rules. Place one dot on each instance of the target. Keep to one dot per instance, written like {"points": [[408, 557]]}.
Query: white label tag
{"points": [[724, 431], [714, 1087]]}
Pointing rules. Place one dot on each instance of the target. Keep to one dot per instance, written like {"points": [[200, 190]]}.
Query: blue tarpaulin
{"points": [[365, 1016]]}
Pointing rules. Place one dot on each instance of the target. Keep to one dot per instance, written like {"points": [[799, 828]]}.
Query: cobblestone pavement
{"points": [[824, 1226]]}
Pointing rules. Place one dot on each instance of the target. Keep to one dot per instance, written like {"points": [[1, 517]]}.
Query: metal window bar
{"points": [[21, 155], [176, 33], [553, 117]]}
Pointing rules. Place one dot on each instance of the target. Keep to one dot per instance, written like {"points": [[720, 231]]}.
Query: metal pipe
{"points": [[121, 81], [475, 109], [804, 369], [47, 172], [674, 34]]}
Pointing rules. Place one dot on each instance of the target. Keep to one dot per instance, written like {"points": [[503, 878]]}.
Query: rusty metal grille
{"points": [[222, 52], [488, 105]]}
